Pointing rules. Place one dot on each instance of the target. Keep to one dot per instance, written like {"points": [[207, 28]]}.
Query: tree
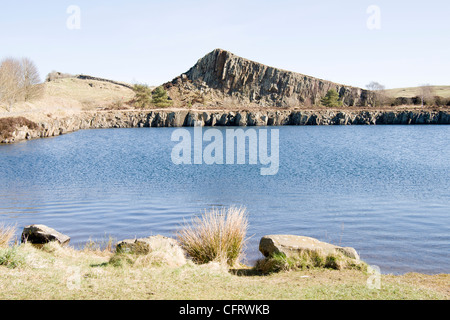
{"points": [[10, 81], [379, 93], [331, 99], [143, 95], [19, 80], [160, 98], [31, 82], [426, 94]]}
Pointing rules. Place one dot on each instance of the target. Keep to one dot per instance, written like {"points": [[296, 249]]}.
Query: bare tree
{"points": [[426, 94], [19, 80], [31, 82], [379, 93], [10, 81]]}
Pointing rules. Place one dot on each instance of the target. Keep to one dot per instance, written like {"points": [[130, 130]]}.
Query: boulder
{"points": [[40, 234], [146, 245], [292, 245]]}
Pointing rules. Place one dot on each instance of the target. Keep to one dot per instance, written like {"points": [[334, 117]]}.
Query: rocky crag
{"points": [[224, 79], [186, 118]]}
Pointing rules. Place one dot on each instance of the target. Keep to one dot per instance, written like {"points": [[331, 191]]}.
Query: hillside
{"points": [[68, 96], [440, 91]]}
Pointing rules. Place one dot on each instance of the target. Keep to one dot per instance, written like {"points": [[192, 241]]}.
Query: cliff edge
{"points": [[223, 79]]}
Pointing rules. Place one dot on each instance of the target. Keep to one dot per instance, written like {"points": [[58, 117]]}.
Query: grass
{"points": [[55, 272], [307, 260], [6, 235], [11, 257], [90, 93], [441, 91], [218, 235]]}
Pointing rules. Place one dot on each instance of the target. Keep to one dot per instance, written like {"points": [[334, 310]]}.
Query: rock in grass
{"points": [[293, 245], [146, 245], [154, 250], [40, 234]]}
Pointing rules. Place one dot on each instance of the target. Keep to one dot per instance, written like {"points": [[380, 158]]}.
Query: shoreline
{"points": [[64, 273], [55, 126]]}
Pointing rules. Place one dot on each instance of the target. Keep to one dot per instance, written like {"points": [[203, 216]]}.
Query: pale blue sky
{"points": [[154, 41]]}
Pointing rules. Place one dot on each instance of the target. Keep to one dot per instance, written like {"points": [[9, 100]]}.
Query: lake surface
{"points": [[384, 190]]}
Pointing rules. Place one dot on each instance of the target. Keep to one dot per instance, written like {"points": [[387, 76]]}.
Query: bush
{"points": [[9, 124], [331, 99], [160, 98], [219, 235]]}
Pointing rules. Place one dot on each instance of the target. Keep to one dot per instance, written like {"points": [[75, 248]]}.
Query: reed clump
{"points": [[6, 235], [218, 235]]}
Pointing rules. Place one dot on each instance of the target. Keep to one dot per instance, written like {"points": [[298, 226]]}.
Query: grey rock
{"points": [[40, 234], [146, 245], [292, 245]]}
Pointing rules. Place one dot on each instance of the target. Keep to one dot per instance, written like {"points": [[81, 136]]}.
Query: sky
{"points": [[396, 43]]}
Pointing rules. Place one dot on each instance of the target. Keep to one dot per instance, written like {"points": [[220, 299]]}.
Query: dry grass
{"points": [[6, 235], [441, 91], [218, 235], [90, 93], [69, 96], [54, 272]]}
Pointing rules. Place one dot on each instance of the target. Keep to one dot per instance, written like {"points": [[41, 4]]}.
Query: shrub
{"points": [[218, 235], [9, 124], [160, 98], [331, 99]]}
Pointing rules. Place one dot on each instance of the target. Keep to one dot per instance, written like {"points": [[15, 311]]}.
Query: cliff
{"points": [[167, 118], [222, 78]]}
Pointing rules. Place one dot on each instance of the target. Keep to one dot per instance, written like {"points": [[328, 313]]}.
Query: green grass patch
{"points": [[307, 259]]}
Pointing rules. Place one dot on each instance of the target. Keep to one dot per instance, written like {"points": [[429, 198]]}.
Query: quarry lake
{"points": [[384, 190]]}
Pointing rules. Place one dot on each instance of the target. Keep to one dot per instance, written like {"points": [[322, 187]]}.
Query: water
{"points": [[383, 190]]}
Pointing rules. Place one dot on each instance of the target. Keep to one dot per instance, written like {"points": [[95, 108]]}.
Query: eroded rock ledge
{"points": [[167, 118]]}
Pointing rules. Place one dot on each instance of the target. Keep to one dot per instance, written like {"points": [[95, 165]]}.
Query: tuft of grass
{"points": [[6, 235], [307, 259], [105, 245], [218, 235], [11, 257]]}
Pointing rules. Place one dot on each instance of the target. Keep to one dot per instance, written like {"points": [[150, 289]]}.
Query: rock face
{"points": [[40, 234], [187, 118], [291, 245], [221, 74]]}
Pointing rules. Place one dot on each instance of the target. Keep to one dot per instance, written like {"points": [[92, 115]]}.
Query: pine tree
{"points": [[331, 99], [160, 98]]}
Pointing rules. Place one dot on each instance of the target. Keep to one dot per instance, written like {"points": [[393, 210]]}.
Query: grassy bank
{"points": [[53, 272]]}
